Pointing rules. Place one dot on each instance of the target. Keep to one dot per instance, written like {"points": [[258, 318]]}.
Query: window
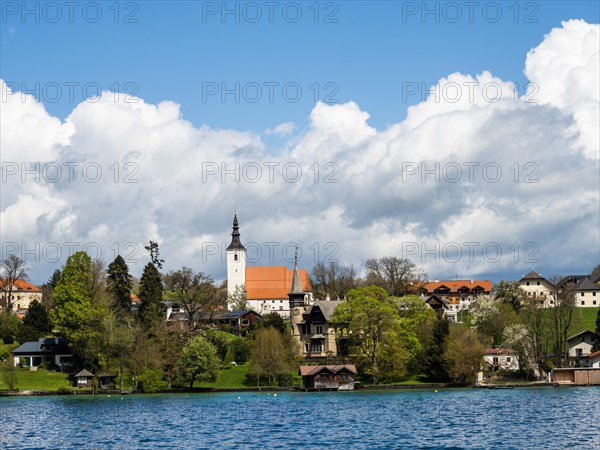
{"points": [[538, 283], [594, 294], [245, 322], [319, 329], [583, 294], [582, 302], [579, 352], [280, 308], [527, 283], [508, 359], [594, 302], [235, 257]]}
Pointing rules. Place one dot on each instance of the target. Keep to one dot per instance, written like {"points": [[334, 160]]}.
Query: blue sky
{"points": [[177, 46], [362, 61]]}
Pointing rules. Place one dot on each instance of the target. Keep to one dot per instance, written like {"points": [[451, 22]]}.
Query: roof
{"points": [[313, 370], [44, 345], [593, 355], [580, 333], [84, 373], [587, 285], [236, 244], [455, 285], [533, 276], [134, 298], [235, 314], [327, 307], [499, 351], [20, 285], [272, 282]]}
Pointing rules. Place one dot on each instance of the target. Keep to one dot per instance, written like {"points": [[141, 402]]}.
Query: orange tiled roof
{"points": [[21, 285], [134, 298], [272, 282], [455, 285]]}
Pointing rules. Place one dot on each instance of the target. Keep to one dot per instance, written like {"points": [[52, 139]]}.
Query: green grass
{"points": [[40, 380], [584, 319], [235, 377]]}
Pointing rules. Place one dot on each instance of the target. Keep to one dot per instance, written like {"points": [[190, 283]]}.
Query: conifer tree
{"points": [[119, 283]]}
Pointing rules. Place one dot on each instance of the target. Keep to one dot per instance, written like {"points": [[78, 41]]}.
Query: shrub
{"points": [[63, 390], [285, 379], [4, 355], [8, 339], [151, 380], [240, 350]]}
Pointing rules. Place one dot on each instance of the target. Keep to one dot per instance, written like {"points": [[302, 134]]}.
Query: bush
{"points": [[9, 376], [151, 380], [4, 355], [285, 379], [8, 339], [63, 390], [240, 350]]}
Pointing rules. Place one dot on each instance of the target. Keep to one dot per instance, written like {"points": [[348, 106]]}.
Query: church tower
{"points": [[236, 260], [296, 297]]}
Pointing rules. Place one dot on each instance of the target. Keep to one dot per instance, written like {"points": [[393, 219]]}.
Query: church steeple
{"points": [[236, 244], [296, 295]]}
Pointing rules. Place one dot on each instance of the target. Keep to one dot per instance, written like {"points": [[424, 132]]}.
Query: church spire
{"points": [[296, 285], [236, 244]]}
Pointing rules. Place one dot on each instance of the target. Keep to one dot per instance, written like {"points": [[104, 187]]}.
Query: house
{"points": [[21, 295], [266, 287], [500, 359], [315, 335], [441, 307], [458, 294], [338, 377], [587, 293], [84, 378], [107, 380], [538, 289], [594, 359], [240, 321], [45, 350], [580, 345]]}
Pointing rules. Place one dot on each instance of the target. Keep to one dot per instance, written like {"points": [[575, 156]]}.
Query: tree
{"points": [[80, 307], [154, 254], [561, 316], [199, 360], [511, 293], [238, 299], [597, 343], [150, 294], [240, 350], [9, 376], [332, 279], [432, 359], [398, 276], [490, 318], [37, 318], [269, 356], [371, 321], [516, 337], [463, 354], [194, 291], [119, 284], [9, 326], [48, 289], [535, 318], [273, 320], [595, 275], [13, 269]]}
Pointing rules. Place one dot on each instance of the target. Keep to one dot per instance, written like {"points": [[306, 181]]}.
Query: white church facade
{"points": [[266, 287]]}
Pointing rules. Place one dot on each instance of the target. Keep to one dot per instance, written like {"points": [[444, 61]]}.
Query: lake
{"points": [[452, 418]]}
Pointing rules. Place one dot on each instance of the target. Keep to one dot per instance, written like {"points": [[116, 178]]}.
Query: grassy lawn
{"points": [[584, 319], [235, 377], [40, 380]]}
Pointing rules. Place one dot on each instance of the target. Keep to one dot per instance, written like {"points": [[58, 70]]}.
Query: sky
{"points": [[461, 135]]}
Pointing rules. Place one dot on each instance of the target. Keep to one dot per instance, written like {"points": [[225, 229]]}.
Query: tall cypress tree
{"points": [[119, 283], [151, 290]]}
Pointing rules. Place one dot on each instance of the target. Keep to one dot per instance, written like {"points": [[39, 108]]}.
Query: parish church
{"points": [[266, 287]]}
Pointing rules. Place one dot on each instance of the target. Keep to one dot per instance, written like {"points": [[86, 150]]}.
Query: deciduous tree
{"points": [[13, 269], [199, 361], [269, 356], [332, 279], [463, 355], [511, 293], [398, 276]]}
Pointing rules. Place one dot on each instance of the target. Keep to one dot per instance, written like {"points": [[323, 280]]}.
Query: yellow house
{"points": [[21, 296], [587, 294], [538, 289]]}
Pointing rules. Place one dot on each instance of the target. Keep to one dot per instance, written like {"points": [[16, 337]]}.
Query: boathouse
{"points": [[577, 376], [333, 377]]}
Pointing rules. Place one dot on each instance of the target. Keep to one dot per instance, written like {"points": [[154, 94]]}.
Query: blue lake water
{"points": [[469, 418]]}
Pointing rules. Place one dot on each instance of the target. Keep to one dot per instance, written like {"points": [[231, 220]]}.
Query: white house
{"points": [[500, 358], [538, 288], [580, 345], [587, 294]]}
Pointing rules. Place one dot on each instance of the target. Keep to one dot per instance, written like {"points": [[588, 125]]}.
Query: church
{"points": [[266, 287]]}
